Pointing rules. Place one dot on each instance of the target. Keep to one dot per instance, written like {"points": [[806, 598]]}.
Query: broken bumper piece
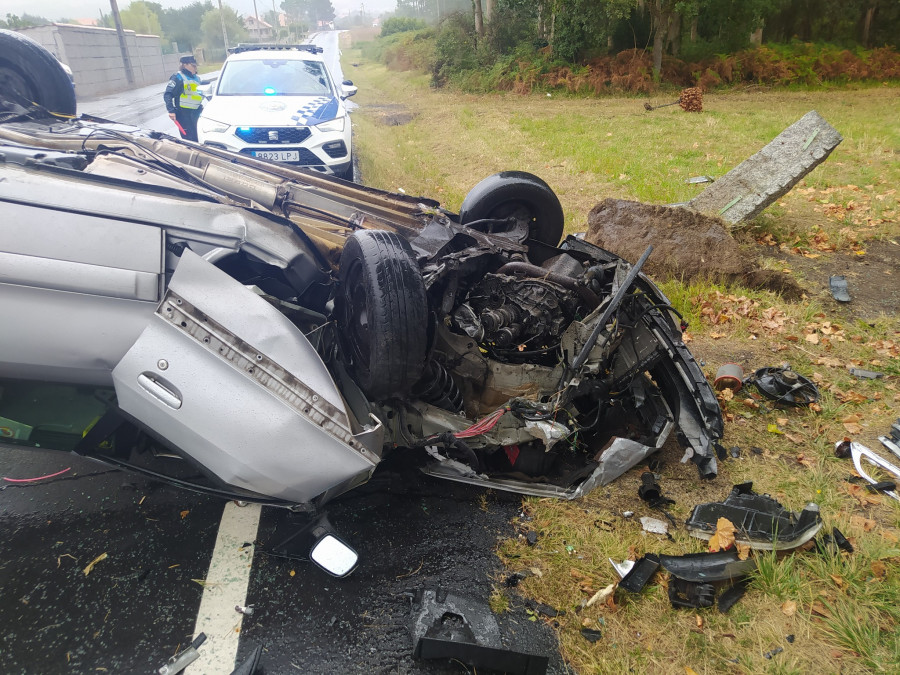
{"points": [[448, 626], [760, 521]]}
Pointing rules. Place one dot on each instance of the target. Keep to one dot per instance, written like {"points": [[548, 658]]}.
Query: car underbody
{"points": [[270, 334]]}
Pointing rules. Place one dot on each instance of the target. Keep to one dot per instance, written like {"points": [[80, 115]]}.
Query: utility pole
{"points": [[126, 60], [258, 25], [224, 32]]}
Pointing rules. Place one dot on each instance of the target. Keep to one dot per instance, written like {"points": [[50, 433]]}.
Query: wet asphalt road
{"points": [[138, 605]]}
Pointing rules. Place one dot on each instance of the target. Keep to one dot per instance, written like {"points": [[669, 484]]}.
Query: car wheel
{"points": [[347, 174], [30, 72], [382, 313], [515, 193]]}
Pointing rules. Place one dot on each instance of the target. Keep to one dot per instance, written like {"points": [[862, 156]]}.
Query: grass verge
{"points": [[841, 610]]}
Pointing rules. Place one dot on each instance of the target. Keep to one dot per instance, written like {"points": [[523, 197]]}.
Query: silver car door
{"points": [[225, 378]]}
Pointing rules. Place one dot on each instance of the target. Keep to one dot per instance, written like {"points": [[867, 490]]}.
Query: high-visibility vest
{"points": [[190, 98]]}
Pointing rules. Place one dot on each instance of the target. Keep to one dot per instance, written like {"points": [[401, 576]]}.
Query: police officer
{"points": [[183, 100]]}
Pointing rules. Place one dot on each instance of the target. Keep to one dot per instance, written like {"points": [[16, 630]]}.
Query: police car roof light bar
{"points": [[243, 47]]}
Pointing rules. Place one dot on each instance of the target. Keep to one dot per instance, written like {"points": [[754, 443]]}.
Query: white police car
{"points": [[280, 103]]}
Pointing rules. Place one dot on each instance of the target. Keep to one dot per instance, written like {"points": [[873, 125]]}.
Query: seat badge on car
{"points": [[273, 135]]}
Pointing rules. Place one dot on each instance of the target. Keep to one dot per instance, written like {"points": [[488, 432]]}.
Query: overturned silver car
{"points": [[269, 334]]}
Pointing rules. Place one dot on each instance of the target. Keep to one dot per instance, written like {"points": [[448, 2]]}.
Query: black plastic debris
{"points": [[591, 635], [842, 450], [250, 664], [773, 652], [721, 452], [756, 450], [651, 492], [760, 521], [783, 386], [513, 579], [839, 289], [640, 574], [735, 451], [730, 596], [790, 638], [450, 626], [531, 537], [689, 594], [882, 486], [707, 567], [545, 610], [834, 540]]}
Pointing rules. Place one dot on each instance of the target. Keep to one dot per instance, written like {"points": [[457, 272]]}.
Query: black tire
{"points": [[382, 313], [516, 193], [29, 72]]}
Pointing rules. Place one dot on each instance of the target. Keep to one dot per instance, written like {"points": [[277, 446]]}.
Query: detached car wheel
{"points": [[382, 313], [519, 194], [29, 72]]}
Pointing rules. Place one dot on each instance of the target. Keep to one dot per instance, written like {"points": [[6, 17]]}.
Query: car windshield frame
{"points": [[282, 77]]}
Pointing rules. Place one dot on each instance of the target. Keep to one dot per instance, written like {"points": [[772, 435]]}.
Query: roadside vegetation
{"points": [[841, 610]]}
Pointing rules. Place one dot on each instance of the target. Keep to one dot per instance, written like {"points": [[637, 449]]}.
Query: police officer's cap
{"points": [[188, 59]]}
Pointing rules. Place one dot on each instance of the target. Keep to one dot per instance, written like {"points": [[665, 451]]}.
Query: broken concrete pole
{"points": [[752, 185]]}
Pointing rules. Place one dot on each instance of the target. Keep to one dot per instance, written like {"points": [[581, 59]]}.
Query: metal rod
{"points": [[617, 298]]}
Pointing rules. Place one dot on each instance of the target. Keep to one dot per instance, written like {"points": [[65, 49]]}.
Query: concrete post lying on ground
{"points": [[752, 185]]}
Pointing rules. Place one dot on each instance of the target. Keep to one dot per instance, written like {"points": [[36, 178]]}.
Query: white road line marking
{"points": [[226, 586]]}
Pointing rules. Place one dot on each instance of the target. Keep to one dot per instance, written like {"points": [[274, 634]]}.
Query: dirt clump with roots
{"points": [[686, 245]]}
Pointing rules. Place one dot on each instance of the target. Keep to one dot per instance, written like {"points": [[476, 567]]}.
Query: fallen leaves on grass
{"points": [[863, 496], [865, 524], [789, 608], [852, 425], [879, 569]]}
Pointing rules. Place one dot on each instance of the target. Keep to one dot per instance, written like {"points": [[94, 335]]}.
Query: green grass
{"points": [[588, 149]]}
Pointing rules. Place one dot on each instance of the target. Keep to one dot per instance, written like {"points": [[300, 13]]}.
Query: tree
{"points": [[140, 17], [311, 11], [182, 25], [14, 21], [211, 27]]}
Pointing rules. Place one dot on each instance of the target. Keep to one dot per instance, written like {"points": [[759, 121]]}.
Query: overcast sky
{"points": [[77, 9]]}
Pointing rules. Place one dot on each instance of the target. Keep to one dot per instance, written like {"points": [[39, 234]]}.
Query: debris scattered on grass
{"points": [[591, 635], [531, 538], [654, 525], [774, 652], [839, 289], [90, 566]]}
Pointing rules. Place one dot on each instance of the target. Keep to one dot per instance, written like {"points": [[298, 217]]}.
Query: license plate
{"points": [[278, 155]]}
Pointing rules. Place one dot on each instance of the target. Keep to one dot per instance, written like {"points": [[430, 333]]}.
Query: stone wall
{"points": [[95, 58]]}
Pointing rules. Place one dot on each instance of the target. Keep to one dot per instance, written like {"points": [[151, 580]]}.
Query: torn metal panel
{"points": [[745, 191], [450, 626]]}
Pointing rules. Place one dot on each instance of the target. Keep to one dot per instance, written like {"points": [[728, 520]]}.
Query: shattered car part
{"points": [[760, 521], [183, 659], [729, 597], [640, 573], [861, 453], [654, 525], [784, 386], [450, 626], [707, 567], [258, 332], [622, 568], [835, 539], [839, 288], [689, 594]]}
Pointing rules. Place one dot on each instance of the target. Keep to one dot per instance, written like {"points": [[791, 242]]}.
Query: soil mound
{"points": [[686, 245]]}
